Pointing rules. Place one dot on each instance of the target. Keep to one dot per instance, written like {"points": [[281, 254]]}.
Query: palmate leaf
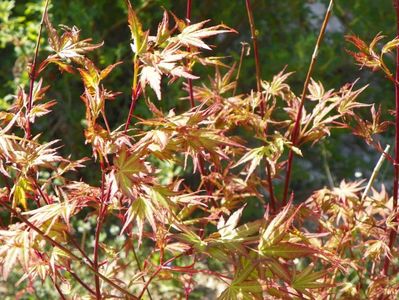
{"points": [[140, 210], [277, 228], [192, 35], [69, 45], [51, 213], [226, 227], [127, 167], [15, 247], [309, 279], [170, 61], [244, 285]]}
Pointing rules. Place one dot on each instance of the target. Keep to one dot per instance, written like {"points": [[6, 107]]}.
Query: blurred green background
{"points": [[287, 34]]}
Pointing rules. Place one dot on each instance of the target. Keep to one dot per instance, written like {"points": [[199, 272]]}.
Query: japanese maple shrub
{"points": [[340, 243]]}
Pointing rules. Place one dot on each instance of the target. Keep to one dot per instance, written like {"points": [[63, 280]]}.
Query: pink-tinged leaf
{"points": [[54, 39], [140, 210], [69, 44], [163, 32], [152, 76], [277, 228], [192, 35], [225, 228]]}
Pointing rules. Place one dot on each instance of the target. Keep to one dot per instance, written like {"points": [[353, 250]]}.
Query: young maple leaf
{"points": [[95, 94], [192, 35], [219, 85], [366, 129], [348, 96], [139, 37], [16, 246], [161, 63], [278, 86], [128, 170], [68, 45], [366, 55], [348, 190]]}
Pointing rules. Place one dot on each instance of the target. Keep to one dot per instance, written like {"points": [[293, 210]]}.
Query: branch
{"points": [[393, 231], [66, 250], [259, 90], [32, 73], [295, 131]]}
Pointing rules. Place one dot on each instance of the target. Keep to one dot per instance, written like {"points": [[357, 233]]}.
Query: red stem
{"points": [[82, 283], [188, 11], [58, 289], [54, 243], [189, 81], [159, 269], [32, 74], [256, 52], [258, 71], [135, 95], [100, 219], [295, 131], [393, 231]]}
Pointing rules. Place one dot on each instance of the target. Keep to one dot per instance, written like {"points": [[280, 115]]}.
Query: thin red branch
{"points": [[189, 81], [32, 73], [58, 289], [295, 131], [393, 231], [135, 95], [159, 269], [54, 243], [89, 289], [259, 90]]}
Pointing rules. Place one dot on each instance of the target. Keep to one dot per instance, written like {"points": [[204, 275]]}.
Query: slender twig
{"points": [[80, 249], [136, 258], [259, 90], [295, 131], [189, 81], [255, 45], [136, 91], [96, 250], [100, 218], [32, 73], [159, 269], [54, 243], [326, 166], [243, 46], [375, 171], [58, 289], [393, 232], [77, 278]]}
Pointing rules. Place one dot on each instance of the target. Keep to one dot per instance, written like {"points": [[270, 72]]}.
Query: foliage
{"points": [[169, 231]]}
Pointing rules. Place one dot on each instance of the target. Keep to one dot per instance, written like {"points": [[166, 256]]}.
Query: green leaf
{"points": [[138, 36], [127, 165], [288, 250], [307, 279]]}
